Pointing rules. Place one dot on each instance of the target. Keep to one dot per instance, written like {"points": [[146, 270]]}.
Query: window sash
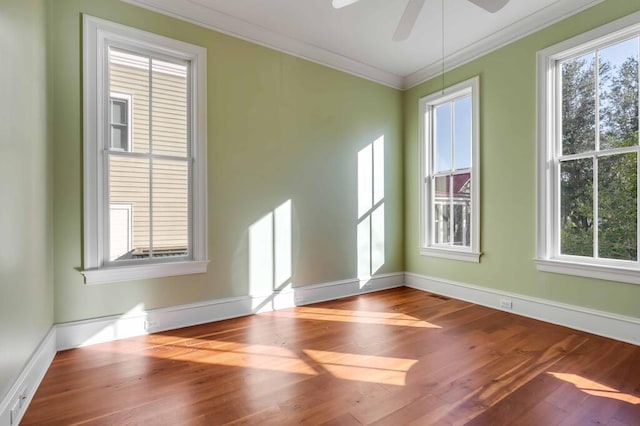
{"points": [[108, 154], [557, 205], [450, 202]]}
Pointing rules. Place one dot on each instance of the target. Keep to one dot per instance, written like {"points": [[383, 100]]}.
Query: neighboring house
{"points": [[459, 198]]}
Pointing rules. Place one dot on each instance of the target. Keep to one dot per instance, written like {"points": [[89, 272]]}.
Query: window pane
{"points": [[576, 207], [129, 185], [462, 209], [578, 105], [617, 207], [462, 129], [169, 108], [618, 87], [442, 134], [119, 136], [170, 208], [120, 230], [118, 111], [129, 74], [442, 210]]}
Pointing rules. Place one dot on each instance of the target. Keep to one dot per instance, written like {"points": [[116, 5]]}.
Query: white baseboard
{"points": [[15, 403], [106, 329], [99, 330], [626, 329], [339, 289]]}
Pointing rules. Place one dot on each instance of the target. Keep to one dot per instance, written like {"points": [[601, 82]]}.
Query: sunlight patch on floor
{"points": [[594, 388], [363, 368], [362, 317], [232, 354], [341, 365]]}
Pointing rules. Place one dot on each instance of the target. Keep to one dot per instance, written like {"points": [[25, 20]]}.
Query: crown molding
{"points": [[541, 19], [198, 14], [208, 18]]}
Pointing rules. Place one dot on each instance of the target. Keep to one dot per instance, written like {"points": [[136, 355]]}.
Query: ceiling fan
{"points": [[413, 9]]}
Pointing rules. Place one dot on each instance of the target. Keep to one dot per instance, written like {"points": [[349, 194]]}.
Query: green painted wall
{"points": [[508, 175], [280, 128], [26, 282]]}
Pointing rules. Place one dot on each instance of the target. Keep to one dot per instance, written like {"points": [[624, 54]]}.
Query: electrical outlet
{"points": [[506, 303], [149, 324], [22, 400]]}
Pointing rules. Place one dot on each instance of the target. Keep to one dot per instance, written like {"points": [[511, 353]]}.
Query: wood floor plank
{"points": [[596, 358], [394, 357]]}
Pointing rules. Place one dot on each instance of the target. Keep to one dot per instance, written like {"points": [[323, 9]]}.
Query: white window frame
{"points": [[426, 106], [548, 256], [128, 98], [98, 35]]}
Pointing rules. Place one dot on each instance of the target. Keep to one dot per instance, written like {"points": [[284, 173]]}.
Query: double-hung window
{"points": [[450, 215], [144, 154], [588, 154]]}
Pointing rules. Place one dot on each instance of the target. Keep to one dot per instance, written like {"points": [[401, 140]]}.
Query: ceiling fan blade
{"points": [[339, 4], [408, 20], [491, 6]]}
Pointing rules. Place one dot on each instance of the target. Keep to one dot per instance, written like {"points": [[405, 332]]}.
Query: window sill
{"points": [[140, 272], [609, 273], [465, 256]]}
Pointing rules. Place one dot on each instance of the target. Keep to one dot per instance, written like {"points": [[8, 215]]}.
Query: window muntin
{"points": [[449, 216], [588, 157], [144, 147]]}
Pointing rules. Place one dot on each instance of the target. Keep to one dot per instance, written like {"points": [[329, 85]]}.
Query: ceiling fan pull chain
{"points": [[442, 29]]}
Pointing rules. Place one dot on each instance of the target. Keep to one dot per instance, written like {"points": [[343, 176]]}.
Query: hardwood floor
{"points": [[389, 358]]}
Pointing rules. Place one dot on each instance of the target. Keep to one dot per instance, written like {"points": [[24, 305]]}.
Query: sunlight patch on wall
{"points": [[370, 228], [270, 263], [130, 324], [282, 243], [261, 256]]}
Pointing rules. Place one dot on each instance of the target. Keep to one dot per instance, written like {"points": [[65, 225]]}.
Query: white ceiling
{"points": [[357, 38]]}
